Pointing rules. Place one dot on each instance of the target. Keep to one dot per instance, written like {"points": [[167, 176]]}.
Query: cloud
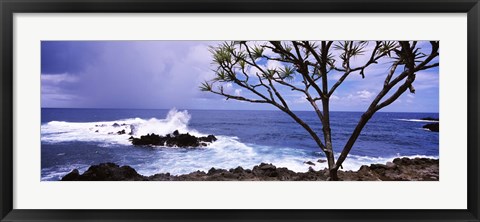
{"points": [[58, 78], [334, 97], [364, 95], [273, 64], [56, 89], [141, 74], [238, 92], [299, 99], [427, 79]]}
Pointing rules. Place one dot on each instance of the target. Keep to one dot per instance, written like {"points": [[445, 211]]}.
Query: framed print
{"points": [[251, 111]]}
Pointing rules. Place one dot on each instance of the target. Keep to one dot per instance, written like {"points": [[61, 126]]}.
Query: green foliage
{"points": [[351, 48], [242, 64], [286, 73], [206, 87], [221, 55], [257, 52], [386, 47]]}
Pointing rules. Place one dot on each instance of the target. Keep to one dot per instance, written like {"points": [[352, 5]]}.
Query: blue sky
{"points": [[167, 74]]}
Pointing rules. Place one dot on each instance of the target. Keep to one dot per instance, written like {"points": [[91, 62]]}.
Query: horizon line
{"points": [[239, 109]]}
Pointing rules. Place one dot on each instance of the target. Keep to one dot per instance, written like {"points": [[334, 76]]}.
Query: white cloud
{"points": [[300, 100], [58, 78], [364, 95], [238, 92], [273, 64], [426, 79], [55, 91]]}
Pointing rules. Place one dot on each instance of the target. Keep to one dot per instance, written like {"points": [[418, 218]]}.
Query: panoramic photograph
{"points": [[296, 110]]}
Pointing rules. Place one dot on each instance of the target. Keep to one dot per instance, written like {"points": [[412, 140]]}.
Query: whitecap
{"points": [[419, 120]]}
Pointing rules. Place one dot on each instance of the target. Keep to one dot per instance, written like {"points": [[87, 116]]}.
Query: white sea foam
{"points": [[106, 132], [419, 120]]}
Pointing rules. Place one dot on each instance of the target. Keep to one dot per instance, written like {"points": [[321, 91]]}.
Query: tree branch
{"points": [[239, 97]]}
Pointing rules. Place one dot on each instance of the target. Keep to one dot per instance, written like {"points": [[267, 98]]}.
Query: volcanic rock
{"points": [[434, 127], [105, 172], [401, 169], [175, 139]]}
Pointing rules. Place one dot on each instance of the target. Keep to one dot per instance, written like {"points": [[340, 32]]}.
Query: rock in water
{"points": [[175, 133], [321, 161], [434, 127], [175, 139], [430, 119], [309, 163]]}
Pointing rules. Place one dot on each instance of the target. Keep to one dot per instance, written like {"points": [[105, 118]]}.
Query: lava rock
{"points": [[105, 172], [71, 176], [430, 119], [309, 163], [175, 139], [434, 127], [400, 169]]}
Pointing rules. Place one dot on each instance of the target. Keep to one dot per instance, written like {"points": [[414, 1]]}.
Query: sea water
{"points": [[77, 138]]}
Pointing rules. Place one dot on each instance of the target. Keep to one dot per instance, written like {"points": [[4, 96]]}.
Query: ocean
{"points": [[77, 138]]}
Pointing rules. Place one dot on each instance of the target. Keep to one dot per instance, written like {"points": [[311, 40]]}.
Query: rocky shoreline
{"points": [[400, 169]]}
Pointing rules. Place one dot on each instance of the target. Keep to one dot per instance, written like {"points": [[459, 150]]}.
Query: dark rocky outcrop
{"points": [[401, 169], [175, 139], [430, 119], [74, 175], [309, 163], [434, 127], [121, 132], [105, 172]]}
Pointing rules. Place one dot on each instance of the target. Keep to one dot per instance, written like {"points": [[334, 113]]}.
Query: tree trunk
{"points": [[333, 174], [328, 142], [327, 133]]}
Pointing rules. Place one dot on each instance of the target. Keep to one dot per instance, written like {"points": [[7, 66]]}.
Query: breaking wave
{"points": [[115, 132], [419, 120]]}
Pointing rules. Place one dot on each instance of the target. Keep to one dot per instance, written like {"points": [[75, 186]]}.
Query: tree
{"points": [[306, 68]]}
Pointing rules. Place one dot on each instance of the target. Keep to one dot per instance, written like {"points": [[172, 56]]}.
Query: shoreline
{"points": [[400, 169]]}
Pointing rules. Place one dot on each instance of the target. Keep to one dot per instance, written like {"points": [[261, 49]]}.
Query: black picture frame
{"points": [[9, 7]]}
